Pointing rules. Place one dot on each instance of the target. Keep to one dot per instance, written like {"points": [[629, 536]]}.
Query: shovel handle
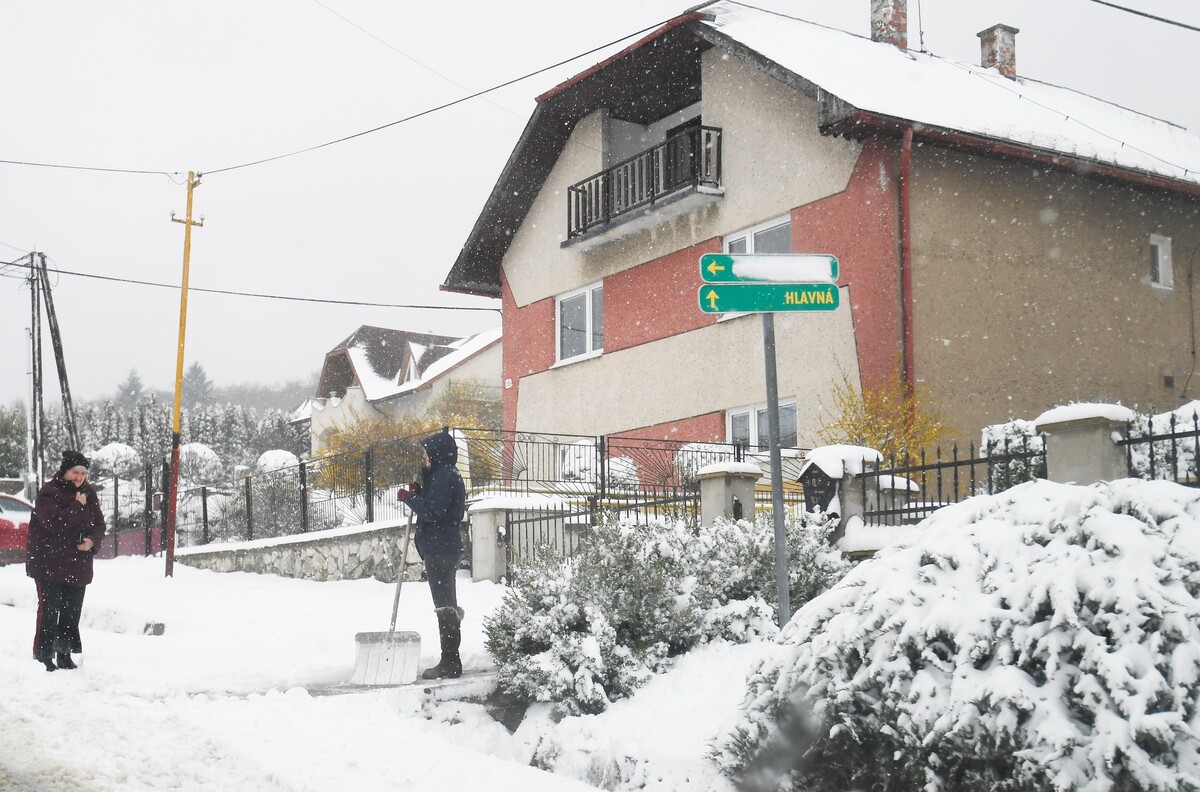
{"points": [[403, 566]]}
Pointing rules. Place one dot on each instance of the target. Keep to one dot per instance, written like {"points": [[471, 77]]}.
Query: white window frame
{"points": [[591, 352], [1166, 274], [753, 410], [747, 235]]}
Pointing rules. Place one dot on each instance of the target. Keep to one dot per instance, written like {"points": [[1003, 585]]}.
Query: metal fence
{"points": [[904, 494], [1164, 447]]}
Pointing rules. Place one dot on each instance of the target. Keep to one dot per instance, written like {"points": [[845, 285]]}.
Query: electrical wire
{"points": [[438, 108], [263, 295], [1164, 20], [91, 168]]}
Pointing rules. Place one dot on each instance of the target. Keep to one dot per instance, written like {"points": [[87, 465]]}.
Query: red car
{"points": [[14, 528]]}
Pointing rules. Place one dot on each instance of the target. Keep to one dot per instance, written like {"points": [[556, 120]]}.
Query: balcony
{"points": [[675, 177]]}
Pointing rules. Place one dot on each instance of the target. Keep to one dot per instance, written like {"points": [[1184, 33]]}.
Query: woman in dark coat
{"points": [[64, 531], [439, 502]]}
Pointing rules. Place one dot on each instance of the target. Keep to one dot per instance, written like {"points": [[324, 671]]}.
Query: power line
{"points": [[445, 106], [91, 168], [1147, 16], [265, 296]]}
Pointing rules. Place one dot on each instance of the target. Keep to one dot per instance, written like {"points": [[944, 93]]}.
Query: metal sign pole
{"points": [[781, 559]]}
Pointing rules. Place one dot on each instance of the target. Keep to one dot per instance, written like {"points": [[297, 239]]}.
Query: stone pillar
{"points": [[488, 561], [1083, 450], [727, 490]]}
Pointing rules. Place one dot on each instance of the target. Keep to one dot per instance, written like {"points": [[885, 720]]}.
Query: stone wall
{"points": [[338, 554]]}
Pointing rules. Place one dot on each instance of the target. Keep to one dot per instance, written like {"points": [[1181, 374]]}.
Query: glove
{"points": [[404, 493]]}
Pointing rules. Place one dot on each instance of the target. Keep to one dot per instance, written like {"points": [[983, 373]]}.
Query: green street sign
{"points": [[761, 268], [768, 297]]}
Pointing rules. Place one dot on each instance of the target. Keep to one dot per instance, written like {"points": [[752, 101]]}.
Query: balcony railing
{"points": [[690, 159]]}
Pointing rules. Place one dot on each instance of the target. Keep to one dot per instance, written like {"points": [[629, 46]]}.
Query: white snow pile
{"points": [[277, 459], [1046, 638]]}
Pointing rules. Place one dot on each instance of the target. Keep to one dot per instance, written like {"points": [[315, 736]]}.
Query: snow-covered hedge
{"points": [[585, 631], [1046, 638]]}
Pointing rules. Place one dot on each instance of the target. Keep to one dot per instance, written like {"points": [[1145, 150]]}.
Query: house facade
{"points": [[1002, 243], [380, 372]]}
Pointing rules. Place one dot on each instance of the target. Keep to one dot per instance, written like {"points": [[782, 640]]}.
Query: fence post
{"points": [[162, 516], [249, 508], [116, 517], [369, 484], [1081, 449], [303, 497], [148, 512], [601, 466], [204, 514], [727, 490]]}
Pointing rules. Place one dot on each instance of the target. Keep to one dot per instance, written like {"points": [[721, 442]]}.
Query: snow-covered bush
{"points": [[587, 630], [277, 459], [117, 459], [1045, 638], [199, 464]]}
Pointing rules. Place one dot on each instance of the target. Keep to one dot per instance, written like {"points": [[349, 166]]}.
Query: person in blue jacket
{"points": [[439, 502]]}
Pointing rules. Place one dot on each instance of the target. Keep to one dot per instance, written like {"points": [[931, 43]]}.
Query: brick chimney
{"points": [[889, 22], [998, 49]]}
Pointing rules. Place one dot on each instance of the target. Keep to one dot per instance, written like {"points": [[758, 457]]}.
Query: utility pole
{"points": [[37, 413], [193, 181], [59, 360]]}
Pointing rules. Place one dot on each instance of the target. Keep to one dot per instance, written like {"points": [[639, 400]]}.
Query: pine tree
{"points": [[12, 441], [197, 387], [129, 392]]}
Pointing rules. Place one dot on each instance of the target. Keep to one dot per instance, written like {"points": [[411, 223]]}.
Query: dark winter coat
{"points": [[443, 500], [56, 527]]}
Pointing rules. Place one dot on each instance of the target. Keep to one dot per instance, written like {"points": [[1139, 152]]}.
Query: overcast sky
{"points": [[173, 87]]}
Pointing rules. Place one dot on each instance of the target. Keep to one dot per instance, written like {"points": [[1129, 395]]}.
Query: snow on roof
{"points": [[1083, 410], [838, 461], [464, 349], [935, 91], [374, 385]]}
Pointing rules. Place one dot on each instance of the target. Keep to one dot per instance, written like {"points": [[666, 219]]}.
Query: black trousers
{"points": [[440, 570], [59, 608]]}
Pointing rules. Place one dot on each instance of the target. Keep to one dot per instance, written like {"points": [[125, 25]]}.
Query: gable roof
{"points": [[864, 87]]}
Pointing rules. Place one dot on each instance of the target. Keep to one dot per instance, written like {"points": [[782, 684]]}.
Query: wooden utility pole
{"points": [[59, 360], [193, 181]]}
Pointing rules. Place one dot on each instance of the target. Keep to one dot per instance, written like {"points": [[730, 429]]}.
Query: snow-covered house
{"points": [[1004, 242], [379, 372]]}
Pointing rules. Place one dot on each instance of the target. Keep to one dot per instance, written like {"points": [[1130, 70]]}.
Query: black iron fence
{"points": [[1164, 447], [898, 494]]}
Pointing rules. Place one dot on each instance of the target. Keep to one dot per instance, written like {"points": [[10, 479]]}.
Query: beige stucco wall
{"points": [[717, 367], [773, 159], [1049, 301]]}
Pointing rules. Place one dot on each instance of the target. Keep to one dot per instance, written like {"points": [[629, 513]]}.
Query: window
{"points": [[750, 423], [773, 236], [581, 323], [1161, 272]]}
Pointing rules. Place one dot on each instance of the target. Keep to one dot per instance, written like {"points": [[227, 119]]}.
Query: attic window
{"points": [[1161, 272]]}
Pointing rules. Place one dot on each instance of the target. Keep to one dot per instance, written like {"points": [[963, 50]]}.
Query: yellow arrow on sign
{"points": [[712, 299], [714, 268]]}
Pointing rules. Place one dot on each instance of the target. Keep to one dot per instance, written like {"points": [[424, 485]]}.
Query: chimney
{"points": [[889, 22], [998, 49]]}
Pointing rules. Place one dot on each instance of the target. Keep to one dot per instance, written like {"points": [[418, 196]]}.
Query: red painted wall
{"points": [[655, 300], [859, 226], [528, 345], [707, 428]]}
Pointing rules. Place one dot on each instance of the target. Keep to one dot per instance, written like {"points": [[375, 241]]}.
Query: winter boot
{"points": [[450, 633], [65, 661], [46, 662]]}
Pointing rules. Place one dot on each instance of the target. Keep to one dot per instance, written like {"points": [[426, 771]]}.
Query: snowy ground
{"points": [[234, 696]]}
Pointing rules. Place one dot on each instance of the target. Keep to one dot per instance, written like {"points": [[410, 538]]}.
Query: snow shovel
{"points": [[389, 658]]}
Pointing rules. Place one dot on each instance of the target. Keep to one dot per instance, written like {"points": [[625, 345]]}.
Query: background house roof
{"points": [[373, 359], [851, 73]]}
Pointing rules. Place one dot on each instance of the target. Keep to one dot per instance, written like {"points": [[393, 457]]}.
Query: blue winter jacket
{"points": [[443, 500]]}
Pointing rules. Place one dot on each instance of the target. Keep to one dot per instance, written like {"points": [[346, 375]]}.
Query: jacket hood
{"points": [[442, 450]]}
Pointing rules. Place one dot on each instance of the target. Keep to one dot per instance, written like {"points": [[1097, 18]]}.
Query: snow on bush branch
{"points": [[584, 631], [1046, 638]]}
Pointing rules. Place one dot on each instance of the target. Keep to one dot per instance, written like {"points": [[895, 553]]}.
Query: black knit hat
{"points": [[72, 459]]}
